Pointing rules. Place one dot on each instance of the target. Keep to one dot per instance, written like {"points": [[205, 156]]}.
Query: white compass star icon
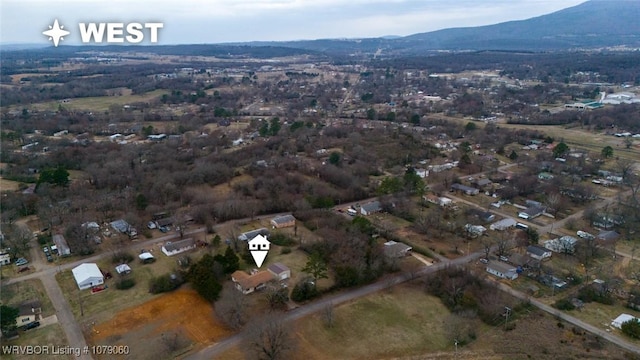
{"points": [[56, 33]]}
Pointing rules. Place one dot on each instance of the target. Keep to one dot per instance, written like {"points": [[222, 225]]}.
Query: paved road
{"points": [[69, 324], [219, 348]]}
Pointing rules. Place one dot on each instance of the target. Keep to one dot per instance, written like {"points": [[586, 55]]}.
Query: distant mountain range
{"points": [[592, 24]]}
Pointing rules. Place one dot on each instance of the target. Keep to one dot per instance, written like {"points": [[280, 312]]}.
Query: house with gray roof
{"points": [[538, 252], [172, 248], [465, 189], [246, 236], [370, 208], [502, 270], [283, 221]]}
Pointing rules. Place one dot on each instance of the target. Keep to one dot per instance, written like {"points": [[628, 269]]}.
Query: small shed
{"points": [[146, 257], [123, 269], [280, 271]]}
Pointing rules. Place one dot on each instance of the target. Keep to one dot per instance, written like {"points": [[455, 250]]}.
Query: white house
{"points": [[87, 275], [177, 247], [5, 258], [502, 270], [538, 252]]}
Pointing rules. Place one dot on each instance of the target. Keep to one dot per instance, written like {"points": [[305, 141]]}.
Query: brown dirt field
{"points": [[8, 185], [182, 309]]}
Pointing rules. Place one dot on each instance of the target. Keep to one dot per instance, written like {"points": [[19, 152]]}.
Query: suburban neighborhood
{"points": [[326, 199]]}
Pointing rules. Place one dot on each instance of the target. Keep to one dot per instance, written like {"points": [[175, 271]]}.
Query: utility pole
{"points": [[506, 316], [455, 342]]}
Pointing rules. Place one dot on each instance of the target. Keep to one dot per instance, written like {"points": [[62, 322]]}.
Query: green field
{"points": [[99, 103]]}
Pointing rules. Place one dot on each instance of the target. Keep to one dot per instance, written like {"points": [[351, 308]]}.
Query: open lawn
{"points": [[392, 324], [99, 103], [8, 185], [100, 306], [17, 293], [48, 338]]}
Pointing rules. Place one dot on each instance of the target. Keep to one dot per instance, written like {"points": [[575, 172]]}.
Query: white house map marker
{"points": [[259, 247]]}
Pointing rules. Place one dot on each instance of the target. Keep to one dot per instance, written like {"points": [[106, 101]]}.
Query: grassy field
{"points": [[100, 306], [47, 337], [17, 293], [99, 103], [8, 185], [403, 322]]}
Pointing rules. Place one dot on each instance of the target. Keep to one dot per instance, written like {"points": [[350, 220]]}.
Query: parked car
{"points": [[504, 258], [151, 225], [164, 229], [46, 249], [49, 258], [22, 261], [23, 269], [31, 325], [54, 249], [484, 261]]}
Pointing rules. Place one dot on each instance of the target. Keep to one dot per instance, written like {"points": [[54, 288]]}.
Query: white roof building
{"points": [[87, 275], [123, 269], [621, 319]]}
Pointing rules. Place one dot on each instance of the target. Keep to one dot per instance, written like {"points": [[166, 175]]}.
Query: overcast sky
{"points": [[216, 21]]}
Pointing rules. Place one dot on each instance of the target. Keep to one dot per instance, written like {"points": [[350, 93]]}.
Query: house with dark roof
{"points": [[485, 216], [176, 247], [538, 252], [370, 208], [393, 249], [482, 183], [28, 312], [608, 235], [502, 270], [283, 221], [531, 212], [465, 189], [246, 236], [279, 271]]}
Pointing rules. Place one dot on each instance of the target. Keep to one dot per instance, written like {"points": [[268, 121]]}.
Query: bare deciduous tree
{"points": [[232, 307], [269, 339], [328, 315]]}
